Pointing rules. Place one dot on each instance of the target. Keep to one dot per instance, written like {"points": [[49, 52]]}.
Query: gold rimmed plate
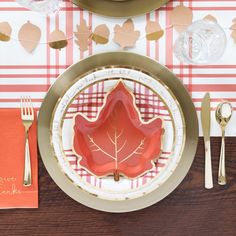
{"points": [[152, 99], [126, 60], [120, 8]]}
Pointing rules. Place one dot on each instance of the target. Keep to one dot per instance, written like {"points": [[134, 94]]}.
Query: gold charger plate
{"points": [[120, 8], [127, 60]]}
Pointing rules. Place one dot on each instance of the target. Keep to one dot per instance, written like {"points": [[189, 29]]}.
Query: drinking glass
{"points": [[46, 7], [203, 42]]}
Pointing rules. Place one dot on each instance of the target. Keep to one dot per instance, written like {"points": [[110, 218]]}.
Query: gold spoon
{"points": [[223, 114]]}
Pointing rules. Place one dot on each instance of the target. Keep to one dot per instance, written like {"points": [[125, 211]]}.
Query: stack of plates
{"points": [[82, 89], [120, 8]]}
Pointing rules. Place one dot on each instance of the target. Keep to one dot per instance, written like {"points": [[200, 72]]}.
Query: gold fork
{"points": [[27, 116]]}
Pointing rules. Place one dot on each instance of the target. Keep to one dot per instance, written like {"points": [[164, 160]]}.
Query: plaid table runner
{"points": [[22, 73]]}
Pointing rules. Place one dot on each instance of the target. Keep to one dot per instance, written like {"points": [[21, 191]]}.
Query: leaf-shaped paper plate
{"points": [[117, 142]]}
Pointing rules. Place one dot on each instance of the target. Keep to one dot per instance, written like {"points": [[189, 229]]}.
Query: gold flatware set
{"points": [[223, 115]]}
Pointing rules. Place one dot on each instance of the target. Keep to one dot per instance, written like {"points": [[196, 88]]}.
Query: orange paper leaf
{"points": [[153, 31], [117, 142], [125, 35], [181, 17], [101, 34], [83, 36], [5, 31], [29, 36]]}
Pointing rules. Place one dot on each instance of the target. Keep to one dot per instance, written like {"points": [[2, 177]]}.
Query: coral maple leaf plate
{"points": [[117, 141], [117, 132]]}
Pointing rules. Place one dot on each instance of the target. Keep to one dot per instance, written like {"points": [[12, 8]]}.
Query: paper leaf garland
{"points": [[101, 34], [125, 35], [210, 18], [83, 36], [57, 39], [29, 36], [5, 31], [181, 17], [153, 31]]}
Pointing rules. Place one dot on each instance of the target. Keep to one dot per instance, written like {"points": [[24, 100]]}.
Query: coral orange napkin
{"points": [[12, 138]]}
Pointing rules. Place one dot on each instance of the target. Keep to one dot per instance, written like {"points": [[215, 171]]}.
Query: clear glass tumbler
{"points": [[204, 42], [46, 7]]}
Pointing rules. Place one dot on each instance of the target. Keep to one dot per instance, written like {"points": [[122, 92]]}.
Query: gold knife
{"points": [[206, 127]]}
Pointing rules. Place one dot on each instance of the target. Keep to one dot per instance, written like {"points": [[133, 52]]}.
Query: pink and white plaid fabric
{"points": [[33, 74]]}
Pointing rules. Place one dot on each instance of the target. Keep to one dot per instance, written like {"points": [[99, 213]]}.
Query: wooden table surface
{"points": [[190, 210]]}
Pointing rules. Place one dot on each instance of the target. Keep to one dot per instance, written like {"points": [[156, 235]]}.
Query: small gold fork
{"points": [[27, 116]]}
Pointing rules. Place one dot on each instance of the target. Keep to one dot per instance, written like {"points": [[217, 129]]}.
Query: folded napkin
{"points": [[12, 139]]}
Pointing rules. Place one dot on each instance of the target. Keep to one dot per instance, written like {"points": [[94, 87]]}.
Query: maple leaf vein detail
{"points": [[140, 146], [117, 150], [98, 147]]}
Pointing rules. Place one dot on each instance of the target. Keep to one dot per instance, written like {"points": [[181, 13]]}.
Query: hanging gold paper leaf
{"points": [[57, 39], [29, 36], [125, 35], [5, 31], [153, 31], [101, 34], [181, 17], [210, 18], [83, 36]]}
